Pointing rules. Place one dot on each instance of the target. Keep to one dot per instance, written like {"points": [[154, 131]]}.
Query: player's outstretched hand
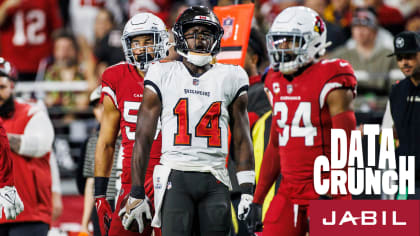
{"points": [[10, 202], [104, 214], [135, 209], [253, 220]]}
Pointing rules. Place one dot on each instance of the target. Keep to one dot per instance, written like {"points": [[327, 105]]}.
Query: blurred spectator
{"points": [[176, 10], [255, 62], [339, 12], [404, 101], [160, 8], [82, 17], [82, 14], [65, 68], [413, 21], [271, 8], [368, 57], [107, 46], [335, 33], [25, 33], [388, 17], [30, 133]]}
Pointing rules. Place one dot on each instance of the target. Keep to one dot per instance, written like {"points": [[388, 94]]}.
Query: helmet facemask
{"points": [[198, 54], [149, 53], [288, 50]]}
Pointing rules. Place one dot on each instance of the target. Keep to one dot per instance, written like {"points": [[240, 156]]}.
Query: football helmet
{"points": [[197, 15], [8, 70], [296, 38], [145, 24]]}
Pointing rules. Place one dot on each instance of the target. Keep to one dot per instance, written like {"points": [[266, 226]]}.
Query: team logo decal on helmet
{"points": [[296, 38], [319, 25]]}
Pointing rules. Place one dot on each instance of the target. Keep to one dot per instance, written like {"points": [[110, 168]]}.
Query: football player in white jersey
{"points": [[197, 102]]}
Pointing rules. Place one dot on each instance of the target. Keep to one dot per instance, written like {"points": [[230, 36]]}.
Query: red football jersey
{"points": [[301, 116], [26, 33], [6, 164], [125, 86]]}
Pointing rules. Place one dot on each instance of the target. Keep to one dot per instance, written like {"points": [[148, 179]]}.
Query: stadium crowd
{"points": [[60, 50]]}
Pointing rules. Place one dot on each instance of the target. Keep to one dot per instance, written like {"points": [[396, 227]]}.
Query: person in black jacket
{"points": [[405, 100]]}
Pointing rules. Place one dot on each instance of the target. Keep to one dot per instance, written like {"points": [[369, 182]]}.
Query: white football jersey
{"points": [[195, 113]]}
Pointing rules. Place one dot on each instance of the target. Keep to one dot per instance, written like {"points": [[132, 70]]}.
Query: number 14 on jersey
{"points": [[208, 126]]}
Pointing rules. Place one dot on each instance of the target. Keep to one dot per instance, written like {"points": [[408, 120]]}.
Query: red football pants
{"points": [[117, 229], [285, 218]]}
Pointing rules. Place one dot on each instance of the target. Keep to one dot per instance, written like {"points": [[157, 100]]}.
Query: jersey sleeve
{"points": [[240, 83], [340, 76], [109, 85], [153, 79]]}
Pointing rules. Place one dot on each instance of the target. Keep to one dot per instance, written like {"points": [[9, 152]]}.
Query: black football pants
{"points": [[195, 203]]}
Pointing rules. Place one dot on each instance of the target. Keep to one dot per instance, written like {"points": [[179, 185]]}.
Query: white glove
{"points": [[10, 202], [134, 210], [244, 206]]}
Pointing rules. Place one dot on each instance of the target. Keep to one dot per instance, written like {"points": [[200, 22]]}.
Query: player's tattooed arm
{"points": [[147, 119], [14, 142]]}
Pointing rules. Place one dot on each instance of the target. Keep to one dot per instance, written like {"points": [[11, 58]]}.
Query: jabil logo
{"points": [[364, 218]]}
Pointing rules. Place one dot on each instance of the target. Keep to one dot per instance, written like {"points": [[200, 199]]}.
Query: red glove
{"points": [[104, 214], [150, 190]]}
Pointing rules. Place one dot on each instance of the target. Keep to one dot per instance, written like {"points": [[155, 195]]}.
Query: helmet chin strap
{"points": [[142, 61], [198, 59]]}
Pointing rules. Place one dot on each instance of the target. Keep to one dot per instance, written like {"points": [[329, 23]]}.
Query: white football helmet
{"points": [[145, 24], [297, 37]]}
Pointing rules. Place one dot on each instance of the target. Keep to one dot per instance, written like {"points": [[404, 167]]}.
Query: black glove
{"points": [[253, 220]]}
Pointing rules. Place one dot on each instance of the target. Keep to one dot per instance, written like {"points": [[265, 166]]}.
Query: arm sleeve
{"points": [[55, 174], [152, 80], [240, 84], [270, 167], [38, 136], [342, 77], [6, 163], [109, 86]]}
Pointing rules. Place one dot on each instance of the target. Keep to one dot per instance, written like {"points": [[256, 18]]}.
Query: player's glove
{"points": [[134, 210], [104, 214], [10, 202], [244, 206], [253, 220]]}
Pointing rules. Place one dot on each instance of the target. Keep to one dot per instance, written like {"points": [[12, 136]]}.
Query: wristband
{"points": [[246, 176], [101, 183], [138, 192], [247, 188]]}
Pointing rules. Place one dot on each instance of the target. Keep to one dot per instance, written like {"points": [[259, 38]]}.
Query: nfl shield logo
{"points": [[195, 82], [227, 27], [289, 88]]}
